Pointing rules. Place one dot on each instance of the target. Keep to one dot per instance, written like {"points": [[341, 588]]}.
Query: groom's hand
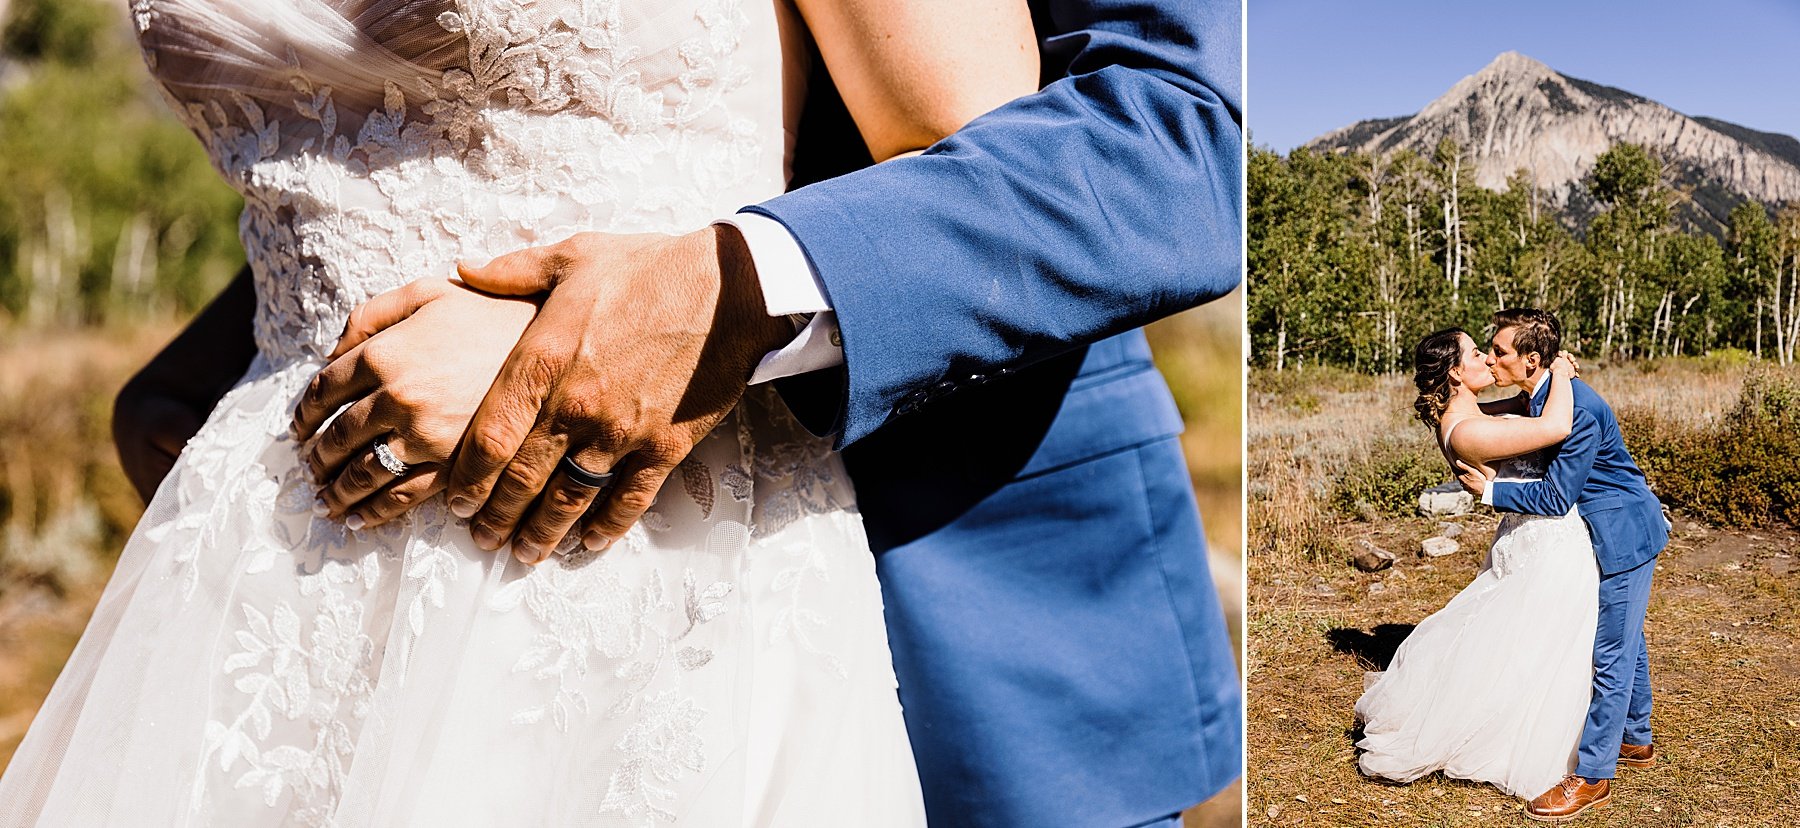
{"points": [[642, 346]]}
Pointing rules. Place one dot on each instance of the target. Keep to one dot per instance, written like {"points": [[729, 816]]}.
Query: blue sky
{"points": [[1316, 65]]}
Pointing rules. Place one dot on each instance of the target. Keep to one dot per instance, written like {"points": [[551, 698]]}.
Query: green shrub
{"points": [[1743, 470], [1726, 359], [1389, 481]]}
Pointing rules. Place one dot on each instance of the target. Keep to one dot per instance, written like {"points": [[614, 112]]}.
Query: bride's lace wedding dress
{"points": [[252, 664], [1494, 687]]}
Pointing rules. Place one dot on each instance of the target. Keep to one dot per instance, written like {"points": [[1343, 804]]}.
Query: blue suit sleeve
{"points": [[1562, 484], [1107, 200]]}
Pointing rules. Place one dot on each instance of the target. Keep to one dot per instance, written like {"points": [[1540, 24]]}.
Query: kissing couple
{"points": [[1535, 677]]}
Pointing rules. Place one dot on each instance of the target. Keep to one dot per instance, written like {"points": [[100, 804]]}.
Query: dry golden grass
{"points": [[1723, 624], [65, 507]]}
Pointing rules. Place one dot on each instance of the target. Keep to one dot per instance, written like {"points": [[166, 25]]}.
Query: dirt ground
{"points": [[1725, 669], [1723, 625]]}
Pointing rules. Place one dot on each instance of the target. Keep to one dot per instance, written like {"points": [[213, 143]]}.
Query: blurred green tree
{"points": [[110, 206]]}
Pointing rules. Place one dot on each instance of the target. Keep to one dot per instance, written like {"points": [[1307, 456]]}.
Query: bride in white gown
{"points": [[252, 663], [1494, 687]]}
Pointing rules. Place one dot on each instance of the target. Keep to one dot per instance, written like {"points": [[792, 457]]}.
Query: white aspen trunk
{"points": [[1611, 318], [1681, 344], [1281, 345], [1793, 309], [1776, 318]]}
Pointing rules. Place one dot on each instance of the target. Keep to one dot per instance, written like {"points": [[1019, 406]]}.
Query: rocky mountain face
{"points": [[1518, 114]]}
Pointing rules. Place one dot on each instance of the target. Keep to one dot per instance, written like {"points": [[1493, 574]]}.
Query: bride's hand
{"points": [[1473, 480], [1565, 365], [413, 365]]}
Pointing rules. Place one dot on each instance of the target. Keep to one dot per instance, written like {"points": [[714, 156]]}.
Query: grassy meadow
{"points": [[1335, 460]]}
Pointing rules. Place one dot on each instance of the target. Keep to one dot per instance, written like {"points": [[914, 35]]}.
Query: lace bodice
{"points": [[378, 141], [1525, 467]]}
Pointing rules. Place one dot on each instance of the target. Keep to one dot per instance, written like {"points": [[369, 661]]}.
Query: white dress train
{"points": [[1494, 687], [252, 664]]}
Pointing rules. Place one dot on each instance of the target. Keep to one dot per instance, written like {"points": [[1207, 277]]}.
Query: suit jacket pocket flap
{"points": [[1604, 503], [1124, 410]]}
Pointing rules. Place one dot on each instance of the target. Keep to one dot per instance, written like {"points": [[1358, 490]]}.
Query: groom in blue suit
{"points": [[1593, 473]]}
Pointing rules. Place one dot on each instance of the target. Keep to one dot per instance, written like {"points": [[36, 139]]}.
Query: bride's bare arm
{"points": [[912, 72], [1483, 440], [164, 404]]}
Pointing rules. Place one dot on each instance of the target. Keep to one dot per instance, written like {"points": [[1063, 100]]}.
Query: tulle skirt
{"points": [[1494, 687], [252, 664]]}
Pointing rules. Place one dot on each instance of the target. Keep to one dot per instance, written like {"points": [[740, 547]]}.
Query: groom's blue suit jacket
{"points": [[1061, 652], [1593, 470]]}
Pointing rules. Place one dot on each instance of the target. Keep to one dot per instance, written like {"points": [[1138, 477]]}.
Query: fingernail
{"points": [[463, 507], [528, 553], [523, 556], [593, 541], [355, 522], [486, 538], [320, 507]]}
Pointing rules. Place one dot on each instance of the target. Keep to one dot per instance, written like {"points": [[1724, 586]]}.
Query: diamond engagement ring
{"points": [[385, 456], [580, 475]]}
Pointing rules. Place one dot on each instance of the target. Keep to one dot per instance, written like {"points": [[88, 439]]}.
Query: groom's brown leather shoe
{"points": [[1637, 756], [1568, 799]]}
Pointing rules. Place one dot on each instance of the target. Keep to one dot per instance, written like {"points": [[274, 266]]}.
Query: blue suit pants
{"points": [[1620, 709]]}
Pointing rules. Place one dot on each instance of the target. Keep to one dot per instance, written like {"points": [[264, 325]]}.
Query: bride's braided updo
{"points": [[1432, 361]]}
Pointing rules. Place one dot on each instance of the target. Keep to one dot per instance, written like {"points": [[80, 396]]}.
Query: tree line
{"points": [[1354, 257]]}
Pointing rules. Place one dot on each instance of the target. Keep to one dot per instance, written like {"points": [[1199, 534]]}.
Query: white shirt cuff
{"points": [[817, 347], [789, 286], [1487, 493]]}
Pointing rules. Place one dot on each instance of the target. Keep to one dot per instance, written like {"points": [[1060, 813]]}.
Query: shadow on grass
{"points": [[1373, 649]]}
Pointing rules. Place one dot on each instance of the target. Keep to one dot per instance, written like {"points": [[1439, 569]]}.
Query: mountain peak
{"points": [[1515, 65], [1508, 73], [1519, 114]]}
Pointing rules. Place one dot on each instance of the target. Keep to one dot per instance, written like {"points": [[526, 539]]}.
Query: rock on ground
{"points": [[1445, 500], [1439, 547], [1371, 558]]}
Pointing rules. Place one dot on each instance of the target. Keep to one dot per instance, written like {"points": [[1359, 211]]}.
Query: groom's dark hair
{"points": [[1538, 332]]}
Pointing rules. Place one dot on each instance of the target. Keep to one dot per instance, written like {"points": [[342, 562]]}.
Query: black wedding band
{"points": [[581, 475]]}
